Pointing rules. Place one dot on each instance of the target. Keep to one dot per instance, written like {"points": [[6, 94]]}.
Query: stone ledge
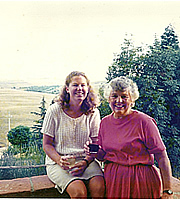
{"points": [[41, 186], [36, 186]]}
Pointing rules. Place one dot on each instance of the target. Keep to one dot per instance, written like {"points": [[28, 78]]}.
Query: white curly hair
{"points": [[121, 83]]}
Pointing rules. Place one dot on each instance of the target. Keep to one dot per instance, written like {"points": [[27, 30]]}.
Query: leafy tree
{"points": [[160, 96], [104, 107], [129, 62], [19, 136], [169, 38], [170, 43], [37, 135]]}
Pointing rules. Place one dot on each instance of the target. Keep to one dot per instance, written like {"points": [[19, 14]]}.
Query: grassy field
{"points": [[19, 105]]}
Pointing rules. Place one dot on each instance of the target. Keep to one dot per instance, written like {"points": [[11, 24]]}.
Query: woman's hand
{"points": [[99, 155], [63, 162], [86, 150], [78, 168]]}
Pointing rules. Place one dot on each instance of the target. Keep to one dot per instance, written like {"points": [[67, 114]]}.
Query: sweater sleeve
{"points": [[94, 123], [153, 140], [49, 123]]}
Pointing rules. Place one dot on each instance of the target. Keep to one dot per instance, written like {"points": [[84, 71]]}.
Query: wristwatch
{"points": [[169, 192]]}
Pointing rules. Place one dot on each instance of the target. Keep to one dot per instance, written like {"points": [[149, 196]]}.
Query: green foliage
{"points": [[19, 136], [37, 135], [127, 63], [26, 150], [31, 156], [169, 38], [156, 71], [158, 84], [104, 108]]}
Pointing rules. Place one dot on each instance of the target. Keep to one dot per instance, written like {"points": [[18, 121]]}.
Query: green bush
{"points": [[30, 157]]}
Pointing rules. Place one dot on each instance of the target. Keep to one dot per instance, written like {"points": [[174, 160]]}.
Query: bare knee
{"points": [[97, 186], [77, 189]]}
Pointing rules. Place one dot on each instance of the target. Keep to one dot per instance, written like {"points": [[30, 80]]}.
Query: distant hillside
{"points": [[26, 86], [43, 89], [16, 107], [54, 89]]}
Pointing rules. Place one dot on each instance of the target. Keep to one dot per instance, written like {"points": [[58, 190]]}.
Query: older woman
{"points": [[129, 140]]}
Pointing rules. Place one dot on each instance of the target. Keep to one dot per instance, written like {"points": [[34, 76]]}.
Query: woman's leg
{"points": [[97, 187], [77, 189]]}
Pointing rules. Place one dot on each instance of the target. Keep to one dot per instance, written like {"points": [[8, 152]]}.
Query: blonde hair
{"points": [[91, 101], [120, 84]]}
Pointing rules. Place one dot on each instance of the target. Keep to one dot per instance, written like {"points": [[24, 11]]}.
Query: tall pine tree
{"points": [[37, 135], [169, 38]]}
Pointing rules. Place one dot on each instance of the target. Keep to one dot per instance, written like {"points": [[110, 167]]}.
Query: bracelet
{"points": [[86, 162], [169, 192]]}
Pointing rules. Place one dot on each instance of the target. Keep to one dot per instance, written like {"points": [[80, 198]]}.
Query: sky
{"points": [[41, 42]]}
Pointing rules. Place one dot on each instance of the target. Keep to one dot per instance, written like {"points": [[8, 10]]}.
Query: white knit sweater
{"points": [[70, 134]]}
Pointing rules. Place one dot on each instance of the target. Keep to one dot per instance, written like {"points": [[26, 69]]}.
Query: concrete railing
{"points": [[41, 186], [37, 186]]}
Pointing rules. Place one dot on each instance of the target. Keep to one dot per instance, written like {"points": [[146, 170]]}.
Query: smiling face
{"points": [[77, 89], [120, 103]]}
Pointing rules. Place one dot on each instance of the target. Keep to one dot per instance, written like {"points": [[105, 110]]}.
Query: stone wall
{"points": [[41, 186], [37, 186]]}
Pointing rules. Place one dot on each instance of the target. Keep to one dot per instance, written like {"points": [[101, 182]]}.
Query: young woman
{"points": [[69, 123]]}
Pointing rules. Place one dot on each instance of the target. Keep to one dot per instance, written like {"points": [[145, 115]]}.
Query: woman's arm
{"points": [[165, 170], [48, 146]]}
